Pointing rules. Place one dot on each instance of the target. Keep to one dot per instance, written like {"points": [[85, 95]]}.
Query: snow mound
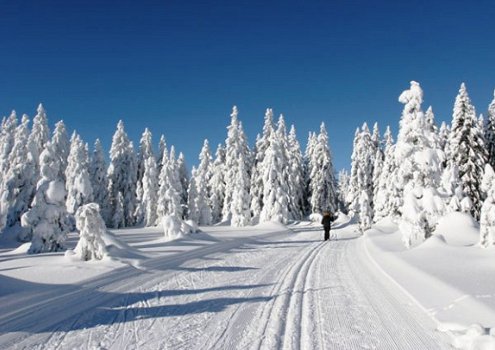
{"points": [[22, 249], [448, 227], [174, 228], [315, 217], [434, 242], [474, 337]]}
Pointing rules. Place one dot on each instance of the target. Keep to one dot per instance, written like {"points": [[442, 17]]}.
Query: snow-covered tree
{"points": [[18, 186], [192, 196], [169, 195], [91, 231], [61, 145], [78, 183], [122, 175], [451, 187], [7, 140], [99, 180], [467, 148], [118, 217], [365, 213], [490, 132], [240, 213], [363, 158], [322, 181], [183, 180], [202, 183], [262, 144], [275, 186], [308, 156], [385, 203], [47, 219], [295, 176], [162, 149], [39, 135], [487, 217], [419, 167], [343, 188], [149, 199], [235, 154], [217, 185]]}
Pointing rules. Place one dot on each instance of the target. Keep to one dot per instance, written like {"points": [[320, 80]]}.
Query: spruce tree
{"points": [[217, 185], [467, 149], [490, 133], [295, 176], [322, 181], [61, 145], [47, 219], [262, 144], [78, 183], [99, 180], [122, 176]]}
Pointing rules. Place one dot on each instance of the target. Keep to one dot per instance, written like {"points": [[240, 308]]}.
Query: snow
{"points": [[449, 275], [257, 287]]}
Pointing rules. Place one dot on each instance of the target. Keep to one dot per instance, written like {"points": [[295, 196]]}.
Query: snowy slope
{"points": [[449, 275], [258, 287]]}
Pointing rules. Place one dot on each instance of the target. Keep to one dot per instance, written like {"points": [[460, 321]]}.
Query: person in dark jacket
{"points": [[326, 221]]}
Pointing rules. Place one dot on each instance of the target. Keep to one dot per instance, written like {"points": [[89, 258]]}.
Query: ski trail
{"points": [[288, 290]]}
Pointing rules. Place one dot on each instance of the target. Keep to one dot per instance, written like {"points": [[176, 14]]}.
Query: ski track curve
{"points": [[283, 290]]}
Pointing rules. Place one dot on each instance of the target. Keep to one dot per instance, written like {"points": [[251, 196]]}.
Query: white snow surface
{"points": [[261, 287], [449, 275]]}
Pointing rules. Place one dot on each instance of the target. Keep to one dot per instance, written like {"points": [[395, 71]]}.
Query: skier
{"points": [[326, 222]]}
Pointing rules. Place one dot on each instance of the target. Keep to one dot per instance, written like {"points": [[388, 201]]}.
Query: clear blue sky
{"points": [[177, 67]]}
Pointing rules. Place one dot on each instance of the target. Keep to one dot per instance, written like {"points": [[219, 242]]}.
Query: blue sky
{"points": [[178, 67]]}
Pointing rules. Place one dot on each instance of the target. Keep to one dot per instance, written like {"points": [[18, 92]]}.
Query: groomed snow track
{"points": [[280, 290]]}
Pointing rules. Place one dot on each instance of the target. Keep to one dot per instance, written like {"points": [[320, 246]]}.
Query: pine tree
{"points": [[183, 180], [384, 203], [419, 161], [91, 231], [467, 148], [490, 132], [18, 185], [47, 219], [487, 217], [275, 190], [99, 180], [122, 175], [364, 211], [7, 140], [343, 189], [61, 145], [240, 213], [296, 176], [39, 136], [217, 185], [262, 144], [192, 198], [169, 200], [203, 179], [150, 191], [322, 183], [236, 153], [162, 149], [308, 156], [145, 152], [363, 158], [78, 185]]}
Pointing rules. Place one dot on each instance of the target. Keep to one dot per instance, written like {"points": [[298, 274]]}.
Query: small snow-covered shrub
{"points": [[487, 217], [91, 230], [315, 217], [172, 226]]}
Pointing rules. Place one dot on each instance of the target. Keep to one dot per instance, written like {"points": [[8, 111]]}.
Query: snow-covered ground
{"points": [[265, 287]]}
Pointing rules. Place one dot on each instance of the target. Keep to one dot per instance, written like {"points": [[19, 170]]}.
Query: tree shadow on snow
{"points": [[60, 311]]}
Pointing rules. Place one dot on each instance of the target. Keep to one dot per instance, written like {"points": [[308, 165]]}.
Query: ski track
{"points": [[283, 290]]}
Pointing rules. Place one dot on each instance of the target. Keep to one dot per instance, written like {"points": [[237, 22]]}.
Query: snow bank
{"points": [[450, 276]]}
